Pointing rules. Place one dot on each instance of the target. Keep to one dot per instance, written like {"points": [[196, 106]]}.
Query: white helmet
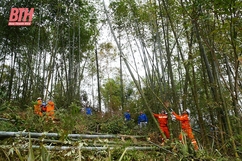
{"points": [[188, 111], [39, 98]]}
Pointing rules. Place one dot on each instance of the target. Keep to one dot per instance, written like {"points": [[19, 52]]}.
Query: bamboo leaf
{"points": [[31, 152], [19, 154]]}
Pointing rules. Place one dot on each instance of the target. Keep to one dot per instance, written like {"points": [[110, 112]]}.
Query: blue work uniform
{"points": [[127, 116], [88, 111], [142, 120]]}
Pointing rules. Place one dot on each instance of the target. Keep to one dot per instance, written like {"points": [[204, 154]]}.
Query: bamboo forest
{"points": [[120, 80]]}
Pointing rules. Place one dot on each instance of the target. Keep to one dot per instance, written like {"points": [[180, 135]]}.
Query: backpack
{"points": [[43, 107]]}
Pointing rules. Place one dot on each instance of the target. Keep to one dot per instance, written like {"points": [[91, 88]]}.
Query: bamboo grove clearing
{"points": [[124, 54]]}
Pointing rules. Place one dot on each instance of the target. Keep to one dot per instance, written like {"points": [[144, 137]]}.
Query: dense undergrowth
{"points": [[73, 121]]}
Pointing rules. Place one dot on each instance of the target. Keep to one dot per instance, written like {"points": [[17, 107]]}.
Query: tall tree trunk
{"points": [[12, 71], [211, 82], [98, 82]]}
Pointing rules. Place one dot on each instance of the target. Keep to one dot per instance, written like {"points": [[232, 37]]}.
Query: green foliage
{"points": [[7, 126], [31, 156], [131, 155], [121, 12], [71, 118], [58, 93], [114, 125], [111, 94], [44, 154], [73, 121], [202, 38], [31, 54], [74, 109]]}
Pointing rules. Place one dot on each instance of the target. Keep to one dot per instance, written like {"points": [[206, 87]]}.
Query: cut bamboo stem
{"points": [[56, 148], [83, 136]]}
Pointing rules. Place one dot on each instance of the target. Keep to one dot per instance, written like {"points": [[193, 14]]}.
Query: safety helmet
{"points": [[188, 111], [39, 98]]}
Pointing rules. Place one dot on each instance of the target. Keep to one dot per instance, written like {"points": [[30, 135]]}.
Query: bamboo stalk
{"points": [[83, 136], [89, 142], [130, 148], [4, 119]]}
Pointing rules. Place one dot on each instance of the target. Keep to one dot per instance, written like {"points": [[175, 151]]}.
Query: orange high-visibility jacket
{"points": [[37, 108], [162, 119], [184, 119], [50, 108], [186, 127]]}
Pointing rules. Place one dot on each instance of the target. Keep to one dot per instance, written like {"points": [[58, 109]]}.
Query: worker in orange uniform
{"points": [[37, 107], [163, 122], [186, 127], [50, 109]]}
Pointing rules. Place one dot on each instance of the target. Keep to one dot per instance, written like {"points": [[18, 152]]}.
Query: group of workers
{"points": [[41, 107], [49, 109], [162, 118], [142, 118]]}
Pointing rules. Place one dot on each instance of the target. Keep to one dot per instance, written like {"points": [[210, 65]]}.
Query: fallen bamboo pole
{"points": [[83, 136], [89, 142], [56, 148], [4, 119]]}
